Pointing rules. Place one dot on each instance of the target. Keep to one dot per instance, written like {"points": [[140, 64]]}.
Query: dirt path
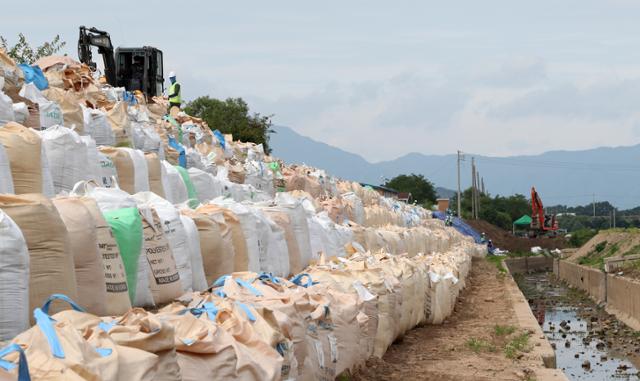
{"points": [[468, 346]]}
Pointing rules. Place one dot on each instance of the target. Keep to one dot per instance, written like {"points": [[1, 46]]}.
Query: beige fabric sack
{"points": [[72, 112], [120, 125], [50, 256], [205, 351], [56, 348], [164, 279], [92, 291], [143, 330], [118, 301], [219, 259], [23, 147], [132, 364], [124, 166], [155, 174]]}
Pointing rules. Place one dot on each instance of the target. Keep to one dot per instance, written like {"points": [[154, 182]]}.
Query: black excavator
{"points": [[131, 68]]}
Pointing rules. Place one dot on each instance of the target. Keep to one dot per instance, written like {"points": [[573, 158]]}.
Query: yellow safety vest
{"points": [[177, 98]]}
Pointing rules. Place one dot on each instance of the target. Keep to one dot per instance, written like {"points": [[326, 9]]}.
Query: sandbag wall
{"points": [[123, 208]]}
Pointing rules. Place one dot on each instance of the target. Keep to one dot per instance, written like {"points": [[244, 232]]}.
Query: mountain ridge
{"points": [[569, 177]]}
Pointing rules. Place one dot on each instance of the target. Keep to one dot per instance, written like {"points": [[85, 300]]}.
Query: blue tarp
{"points": [[34, 74], [460, 226]]}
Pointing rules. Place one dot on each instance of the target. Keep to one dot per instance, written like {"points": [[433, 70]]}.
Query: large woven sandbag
{"points": [[164, 279], [51, 258], [118, 301], [14, 279], [6, 181], [23, 148], [124, 167], [154, 166], [215, 241], [67, 155], [92, 291]]}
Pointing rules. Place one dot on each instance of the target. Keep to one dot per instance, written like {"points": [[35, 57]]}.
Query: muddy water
{"points": [[590, 344]]}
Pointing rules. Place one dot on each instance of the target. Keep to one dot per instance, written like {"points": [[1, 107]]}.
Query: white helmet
{"points": [[172, 74]]}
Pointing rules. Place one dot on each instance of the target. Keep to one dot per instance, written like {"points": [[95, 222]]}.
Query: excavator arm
{"points": [[94, 37]]}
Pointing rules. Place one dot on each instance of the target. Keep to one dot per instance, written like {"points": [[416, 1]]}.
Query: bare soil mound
{"points": [[506, 241]]}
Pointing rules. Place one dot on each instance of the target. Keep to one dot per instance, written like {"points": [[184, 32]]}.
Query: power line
{"points": [[559, 164]]}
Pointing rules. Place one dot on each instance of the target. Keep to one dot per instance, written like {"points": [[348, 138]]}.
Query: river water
{"points": [[590, 344]]}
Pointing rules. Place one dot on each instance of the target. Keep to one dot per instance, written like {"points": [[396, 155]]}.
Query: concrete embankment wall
{"points": [[621, 295], [590, 280], [526, 264]]}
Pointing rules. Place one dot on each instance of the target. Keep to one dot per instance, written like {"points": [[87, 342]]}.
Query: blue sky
{"points": [[382, 78]]}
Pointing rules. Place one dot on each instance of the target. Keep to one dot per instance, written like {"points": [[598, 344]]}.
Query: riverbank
{"points": [[492, 335]]}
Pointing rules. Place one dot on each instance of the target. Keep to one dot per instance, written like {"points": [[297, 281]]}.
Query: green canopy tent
{"points": [[522, 222]]}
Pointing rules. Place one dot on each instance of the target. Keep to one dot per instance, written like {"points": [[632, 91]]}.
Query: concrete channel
{"points": [[586, 327]]}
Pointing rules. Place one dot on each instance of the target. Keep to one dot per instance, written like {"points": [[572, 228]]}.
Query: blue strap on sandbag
{"points": [[247, 311], [104, 352], [211, 310], [34, 74], [220, 281], [43, 321], [249, 287], [106, 326], [220, 138], [182, 156], [297, 280], [64, 298], [23, 367], [268, 277]]}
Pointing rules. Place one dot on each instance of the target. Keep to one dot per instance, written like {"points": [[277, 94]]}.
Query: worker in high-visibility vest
{"points": [[174, 91]]}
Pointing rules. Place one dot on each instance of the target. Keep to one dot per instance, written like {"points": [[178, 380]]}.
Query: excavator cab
{"points": [[131, 68], [140, 69]]}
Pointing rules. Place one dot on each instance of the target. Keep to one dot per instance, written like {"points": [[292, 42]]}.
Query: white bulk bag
{"points": [[260, 176], [6, 180], [47, 179], [14, 279], [175, 189], [93, 162], [6, 109], [277, 259], [255, 229], [174, 231], [197, 266], [141, 171], [207, 186], [20, 111], [332, 241], [97, 125], [107, 198], [67, 156], [146, 139], [356, 207], [293, 207], [108, 175], [50, 112]]}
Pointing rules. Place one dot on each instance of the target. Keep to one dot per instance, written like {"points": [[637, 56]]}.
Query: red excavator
{"points": [[541, 224]]}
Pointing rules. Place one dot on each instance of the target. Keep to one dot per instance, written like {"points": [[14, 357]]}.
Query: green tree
{"points": [[232, 116], [22, 52], [421, 189]]}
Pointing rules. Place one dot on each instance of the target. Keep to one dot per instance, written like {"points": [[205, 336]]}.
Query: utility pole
{"points": [[614, 218], [459, 158], [473, 187], [482, 184], [594, 205], [478, 194]]}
